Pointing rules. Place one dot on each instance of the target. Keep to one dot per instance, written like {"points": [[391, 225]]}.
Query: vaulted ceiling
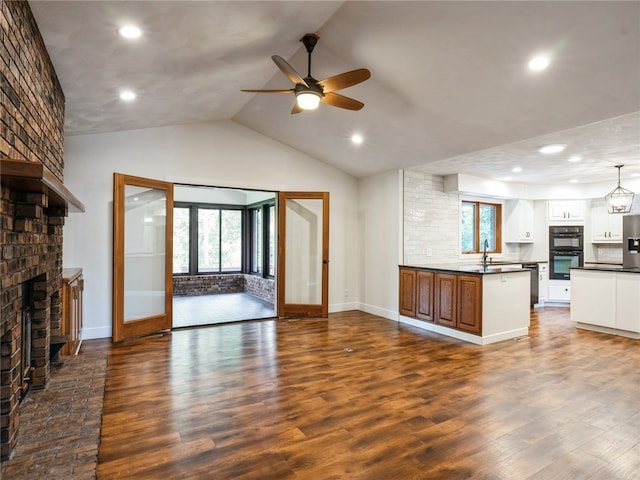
{"points": [[450, 91]]}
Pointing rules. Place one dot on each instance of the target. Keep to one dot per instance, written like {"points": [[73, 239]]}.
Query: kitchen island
{"points": [[606, 299], [475, 303]]}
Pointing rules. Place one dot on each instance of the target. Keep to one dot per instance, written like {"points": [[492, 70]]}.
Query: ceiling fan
{"points": [[310, 92]]}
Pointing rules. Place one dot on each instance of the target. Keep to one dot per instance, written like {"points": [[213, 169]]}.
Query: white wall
{"points": [[432, 224], [379, 244], [431, 220], [217, 154]]}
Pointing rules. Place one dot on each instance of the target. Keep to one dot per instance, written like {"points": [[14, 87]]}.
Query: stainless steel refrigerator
{"points": [[631, 241]]}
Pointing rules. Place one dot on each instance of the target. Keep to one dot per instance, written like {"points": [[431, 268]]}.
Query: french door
{"points": [[303, 254], [142, 256]]}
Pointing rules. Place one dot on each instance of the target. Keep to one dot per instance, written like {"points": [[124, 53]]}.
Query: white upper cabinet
{"points": [[605, 227], [519, 221], [566, 210]]}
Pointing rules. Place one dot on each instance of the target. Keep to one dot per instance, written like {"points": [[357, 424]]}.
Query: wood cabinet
{"points": [[478, 307], [425, 293], [446, 302], [72, 288], [469, 303], [407, 301], [605, 227], [447, 299], [519, 219], [566, 210]]}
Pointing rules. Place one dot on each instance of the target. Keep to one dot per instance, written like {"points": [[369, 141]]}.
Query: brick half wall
{"points": [[263, 288]]}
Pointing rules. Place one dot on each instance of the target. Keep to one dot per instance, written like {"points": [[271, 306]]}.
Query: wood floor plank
{"points": [[360, 397]]}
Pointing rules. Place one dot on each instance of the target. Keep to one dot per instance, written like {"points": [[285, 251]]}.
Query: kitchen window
{"points": [[480, 221]]}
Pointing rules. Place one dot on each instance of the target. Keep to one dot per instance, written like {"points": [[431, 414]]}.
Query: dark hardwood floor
{"points": [[360, 397]]}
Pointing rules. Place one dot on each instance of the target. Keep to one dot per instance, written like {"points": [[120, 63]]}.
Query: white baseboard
{"points": [[381, 312], [96, 332], [343, 307], [609, 330], [460, 335], [554, 303]]}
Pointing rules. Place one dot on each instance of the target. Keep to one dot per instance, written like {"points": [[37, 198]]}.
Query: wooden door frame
{"points": [[302, 310], [122, 330]]}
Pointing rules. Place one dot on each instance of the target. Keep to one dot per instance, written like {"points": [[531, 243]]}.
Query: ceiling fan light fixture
{"points": [[619, 200], [308, 100]]}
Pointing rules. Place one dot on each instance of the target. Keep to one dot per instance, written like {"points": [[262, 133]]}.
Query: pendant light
{"points": [[619, 200]]}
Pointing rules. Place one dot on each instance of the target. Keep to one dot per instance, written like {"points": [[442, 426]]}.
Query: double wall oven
{"points": [[566, 250]]}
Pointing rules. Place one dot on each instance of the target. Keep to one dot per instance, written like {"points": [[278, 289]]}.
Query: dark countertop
{"points": [[511, 262], [604, 267], [471, 269]]}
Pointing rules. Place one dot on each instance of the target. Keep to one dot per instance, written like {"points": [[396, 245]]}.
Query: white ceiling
{"points": [[449, 89]]}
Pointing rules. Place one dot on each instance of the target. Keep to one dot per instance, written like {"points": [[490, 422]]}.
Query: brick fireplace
{"points": [[33, 206], [31, 262]]}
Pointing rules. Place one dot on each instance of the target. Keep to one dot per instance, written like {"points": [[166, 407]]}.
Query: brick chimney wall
{"points": [[31, 128]]}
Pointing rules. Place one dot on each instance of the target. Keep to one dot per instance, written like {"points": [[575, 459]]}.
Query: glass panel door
{"points": [[144, 252], [142, 280], [304, 254]]}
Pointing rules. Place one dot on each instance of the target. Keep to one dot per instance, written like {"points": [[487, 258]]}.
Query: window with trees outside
{"points": [[480, 222], [262, 239], [211, 239]]}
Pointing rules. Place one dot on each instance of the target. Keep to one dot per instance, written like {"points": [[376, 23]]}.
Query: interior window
{"points": [[209, 239], [181, 240]]}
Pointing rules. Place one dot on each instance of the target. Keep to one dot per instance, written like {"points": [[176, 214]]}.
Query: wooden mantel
{"points": [[28, 176]]}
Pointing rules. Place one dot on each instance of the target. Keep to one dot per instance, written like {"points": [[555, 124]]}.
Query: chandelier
{"points": [[619, 200]]}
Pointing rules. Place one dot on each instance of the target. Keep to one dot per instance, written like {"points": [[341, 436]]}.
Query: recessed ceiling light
{"points": [[573, 180], [357, 138], [516, 169], [575, 159], [538, 63], [127, 95], [130, 31], [552, 148], [506, 179]]}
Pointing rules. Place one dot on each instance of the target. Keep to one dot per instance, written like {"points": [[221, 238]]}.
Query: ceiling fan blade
{"points": [[296, 109], [341, 101], [290, 90], [344, 80], [288, 70]]}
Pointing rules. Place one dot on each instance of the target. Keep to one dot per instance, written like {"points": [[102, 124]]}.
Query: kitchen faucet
{"points": [[484, 254]]}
